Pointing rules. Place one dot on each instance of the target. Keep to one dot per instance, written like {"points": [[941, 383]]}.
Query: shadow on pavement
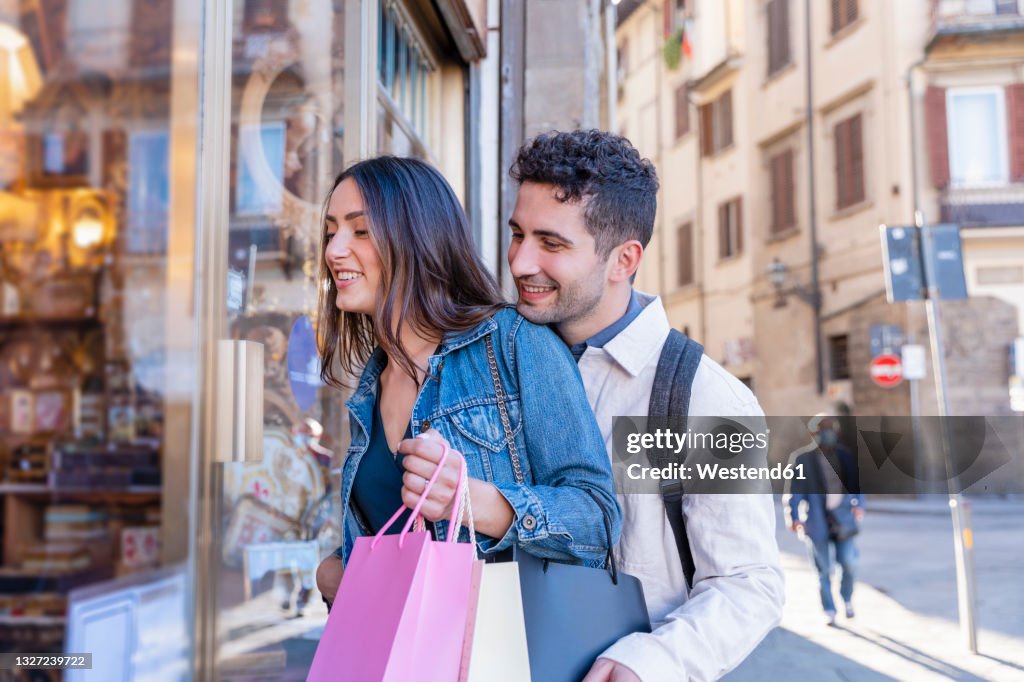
{"points": [[1003, 661], [785, 655], [915, 656]]}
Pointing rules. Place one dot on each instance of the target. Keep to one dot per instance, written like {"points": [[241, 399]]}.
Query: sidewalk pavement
{"points": [[906, 625]]}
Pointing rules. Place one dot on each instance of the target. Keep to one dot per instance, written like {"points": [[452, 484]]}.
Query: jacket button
{"points": [[424, 425], [529, 523]]}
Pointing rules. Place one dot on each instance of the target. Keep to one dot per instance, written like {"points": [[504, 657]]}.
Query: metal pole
{"points": [[612, 65], [963, 540], [812, 207]]}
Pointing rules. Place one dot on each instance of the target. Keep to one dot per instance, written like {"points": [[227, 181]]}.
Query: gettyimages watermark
{"points": [[877, 455]]}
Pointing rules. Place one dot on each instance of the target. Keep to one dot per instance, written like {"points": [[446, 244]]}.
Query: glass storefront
{"points": [[169, 456]]}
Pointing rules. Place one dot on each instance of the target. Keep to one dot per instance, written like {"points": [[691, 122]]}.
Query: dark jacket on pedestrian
{"points": [[807, 496]]}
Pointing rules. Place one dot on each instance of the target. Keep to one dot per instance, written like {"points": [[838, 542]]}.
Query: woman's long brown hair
{"points": [[430, 273]]}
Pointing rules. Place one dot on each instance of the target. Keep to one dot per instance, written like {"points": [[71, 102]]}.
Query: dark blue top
{"points": [[611, 331], [377, 490]]}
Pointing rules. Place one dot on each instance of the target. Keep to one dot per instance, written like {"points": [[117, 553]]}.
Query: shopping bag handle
{"points": [[457, 506]]}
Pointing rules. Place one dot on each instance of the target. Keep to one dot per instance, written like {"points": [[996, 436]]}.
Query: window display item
{"points": [[22, 412], [70, 296], [28, 463], [140, 546], [51, 411], [74, 522], [56, 557]]}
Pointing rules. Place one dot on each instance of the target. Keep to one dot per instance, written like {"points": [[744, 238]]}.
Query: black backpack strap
{"points": [[670, 397]]}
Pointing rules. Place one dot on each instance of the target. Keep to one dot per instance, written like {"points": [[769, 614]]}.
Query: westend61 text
{"points": [[716, 472]]}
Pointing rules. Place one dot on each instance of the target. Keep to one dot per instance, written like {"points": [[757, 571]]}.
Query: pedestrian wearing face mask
{"points": [[825, 509]]}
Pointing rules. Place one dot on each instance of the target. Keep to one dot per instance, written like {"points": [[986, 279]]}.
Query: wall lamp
{"points": [[778, 273]]}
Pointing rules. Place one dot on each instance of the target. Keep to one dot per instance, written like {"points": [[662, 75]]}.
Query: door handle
{"points": [[238, 412]]}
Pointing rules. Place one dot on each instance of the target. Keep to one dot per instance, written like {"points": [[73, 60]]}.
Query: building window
{"points": [[682, 112], [684, 259], [849, 139], [778, 35], [404, 69], [780, 168], [839, 357], [730, 228], [844, 13], [977, 137], [622, 61], [716, 124], [675, 13]]}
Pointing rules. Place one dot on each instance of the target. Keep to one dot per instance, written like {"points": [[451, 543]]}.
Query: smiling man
{"points": [[584, 215]]}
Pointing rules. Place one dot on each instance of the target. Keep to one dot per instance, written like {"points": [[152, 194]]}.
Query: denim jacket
{"points": [[560, 447]]}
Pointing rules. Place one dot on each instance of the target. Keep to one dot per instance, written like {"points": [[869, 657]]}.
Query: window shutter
{"points": [[776, 181], [738, 217], [856, 142], [684, 244], [790, 191], [725, 110], [851, 12], [778, 35], [723, 230], [783, 209], [667, 6], [839, 132], [937, 136], [837, 19], [682, 112], [706, 130], [773, 37], [1015, 118]]}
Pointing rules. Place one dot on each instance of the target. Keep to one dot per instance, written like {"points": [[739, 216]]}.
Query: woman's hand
{"points": [[422, 455]]}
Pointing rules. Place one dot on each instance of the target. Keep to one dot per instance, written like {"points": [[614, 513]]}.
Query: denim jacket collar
{"points": [[452, 341], [455, 340]]}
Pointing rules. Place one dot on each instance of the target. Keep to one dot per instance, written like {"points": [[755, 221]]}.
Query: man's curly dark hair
{"points": [[618, 188]]}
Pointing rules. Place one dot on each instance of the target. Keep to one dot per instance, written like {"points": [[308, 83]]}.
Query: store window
{"points": [[97, 367]]}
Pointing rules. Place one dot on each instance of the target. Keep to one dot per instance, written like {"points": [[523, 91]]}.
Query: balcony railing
{"points": [[983, 207], [976, 16]]}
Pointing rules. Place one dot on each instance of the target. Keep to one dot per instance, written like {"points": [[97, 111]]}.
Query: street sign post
{"points": [[924, 262], [887, 370], [904, 252], [901, 259]]}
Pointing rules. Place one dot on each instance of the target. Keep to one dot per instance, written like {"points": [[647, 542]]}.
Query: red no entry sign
{"points": [[887, 370]]}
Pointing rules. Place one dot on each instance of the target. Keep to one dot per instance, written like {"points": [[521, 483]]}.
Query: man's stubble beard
{"points": [[572, 303]]}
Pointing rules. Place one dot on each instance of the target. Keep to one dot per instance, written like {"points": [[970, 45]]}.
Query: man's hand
{"points": [[328, 577], [421, 457], [606, 670], [858, 514], [796, 527]]}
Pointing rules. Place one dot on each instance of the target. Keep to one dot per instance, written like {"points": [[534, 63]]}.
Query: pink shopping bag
{"points": [[400, 612]]}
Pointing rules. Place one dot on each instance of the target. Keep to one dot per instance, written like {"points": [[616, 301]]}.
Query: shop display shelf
{"points": [[20, 581], [7, 620]]}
